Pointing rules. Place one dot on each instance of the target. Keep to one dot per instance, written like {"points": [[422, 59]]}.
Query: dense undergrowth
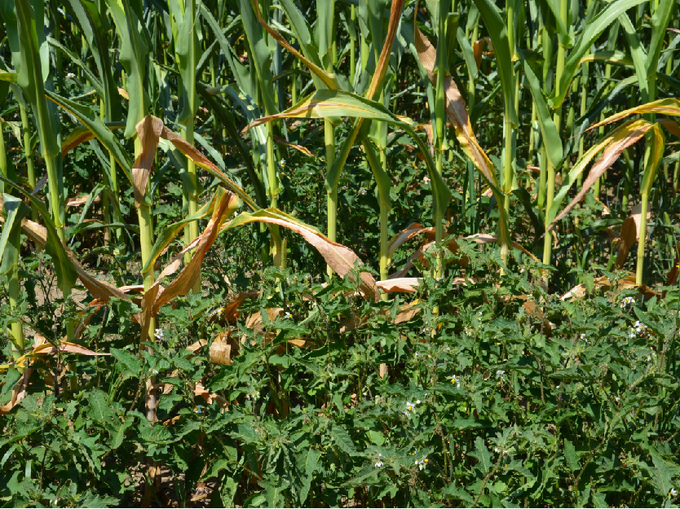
{"points": [[481, 404]]}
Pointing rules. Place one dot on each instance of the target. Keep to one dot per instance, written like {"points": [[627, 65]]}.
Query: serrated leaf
{"points": [[118, 435], [343, 440], [483, 455], [129, 363], [570, 455]]}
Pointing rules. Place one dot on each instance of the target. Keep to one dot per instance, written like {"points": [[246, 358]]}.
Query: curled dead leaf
{"points": [[222, 349]]}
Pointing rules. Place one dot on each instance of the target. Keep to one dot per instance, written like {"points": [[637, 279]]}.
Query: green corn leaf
{"points": [[133, 55], [30, 57], [92, 122], [591, 32], [323, 29], [498, 32], [63, 266], [226, 117], [551, 138], [379, 174], [95, 28], [187, 49], [337, 103], [9, 77], [563, 33], [245, 80], [303, 33], [638, 54], [93, 80], [260, 56], [660, 21], [13, 210]]}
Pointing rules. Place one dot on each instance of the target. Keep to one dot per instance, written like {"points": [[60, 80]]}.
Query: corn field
{"points": [[160, 152]]}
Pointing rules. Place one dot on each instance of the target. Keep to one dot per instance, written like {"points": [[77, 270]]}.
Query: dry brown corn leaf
{"points": [[149, 130]]}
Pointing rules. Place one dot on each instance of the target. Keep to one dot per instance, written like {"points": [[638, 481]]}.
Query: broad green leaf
{"points": [[343, 440], [13, 210], [63, 266], [98, 129], [134, 53], [91, 78], [483, 456], [638, 54], [118, 435], [498, 32], [590, 34], [551, 138], [95, 28], [570, 455], [663, 13], [129, 363]]}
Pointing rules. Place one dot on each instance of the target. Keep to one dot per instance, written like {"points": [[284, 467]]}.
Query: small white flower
{"points": [[415, 356], [426, 180], [584, 338], [417, 402], [421, 463], [378, 464], [361, 191], [70, 76], [198, 409], [502, 452], [283, 162], [456, 381], [159, 334], [500, 374], [410, 406], [626, 301], [639, 329], [287, 315], [673, 492]]}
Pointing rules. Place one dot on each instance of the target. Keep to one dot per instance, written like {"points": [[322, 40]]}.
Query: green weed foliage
{"points": [[439, 305], [479, 405]]}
